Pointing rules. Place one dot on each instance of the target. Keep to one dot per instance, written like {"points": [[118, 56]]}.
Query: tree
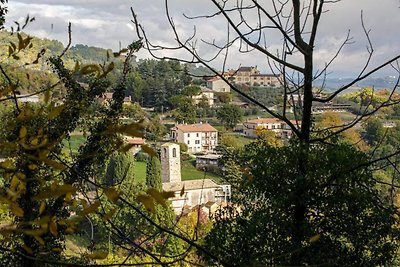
{"points": [[120, 168], [269, 136], [313, 167], [374, 131], [153, 173], [154, 129], [340, 220], [3, 11], [229, 115]]}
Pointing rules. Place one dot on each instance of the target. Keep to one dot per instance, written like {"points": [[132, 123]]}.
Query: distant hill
{"points": [[331, 84], [83, 53]]}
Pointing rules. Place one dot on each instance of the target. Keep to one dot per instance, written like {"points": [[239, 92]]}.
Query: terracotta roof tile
{"points": [[199, 127]]}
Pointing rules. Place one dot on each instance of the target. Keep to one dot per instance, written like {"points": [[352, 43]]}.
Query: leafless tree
{"points": [[250, 27]]}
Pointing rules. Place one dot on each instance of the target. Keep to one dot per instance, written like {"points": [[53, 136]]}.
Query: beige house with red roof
{"points": [[199, 137], [278, 126]]}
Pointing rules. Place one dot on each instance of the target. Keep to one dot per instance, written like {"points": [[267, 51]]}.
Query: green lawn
{"points": [[140, 170], [188, 171], [74, 142]]}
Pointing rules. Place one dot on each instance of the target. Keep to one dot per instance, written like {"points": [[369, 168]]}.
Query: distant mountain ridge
{"points": [[388, 82], [77, 52]]}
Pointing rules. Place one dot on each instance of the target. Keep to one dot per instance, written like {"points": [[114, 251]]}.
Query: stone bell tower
{"points": [[170, 163]]}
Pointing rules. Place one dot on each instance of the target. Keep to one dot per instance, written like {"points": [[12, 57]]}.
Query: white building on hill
{"points": [[200, 137]]}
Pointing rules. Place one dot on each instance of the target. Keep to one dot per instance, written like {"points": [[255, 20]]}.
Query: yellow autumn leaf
{"points": [[35, 141], [33, 167], [98, 255], [90, 209], [53, 228], [125, 148], [57, 249], [59, 190], [27, 249], [21, 175], [7, 164], [56, 111], [150, 151], [37, 232], [109, 214], [23, 132], [157, 196], [168, 194], [315, 238], [42, 207], [55, 164], [39, 239], [111, 194], [16, 210], [147, 202], [88, 69], [47, 96]]}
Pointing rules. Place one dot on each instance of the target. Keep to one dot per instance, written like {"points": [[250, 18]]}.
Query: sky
{"points": [[107, 24]]}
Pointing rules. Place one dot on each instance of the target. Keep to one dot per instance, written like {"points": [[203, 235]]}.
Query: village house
{"points": [[206, 94], [281, 128], [107, 97], [207, 160], [135, 143], [218, 85], [199, 137]]}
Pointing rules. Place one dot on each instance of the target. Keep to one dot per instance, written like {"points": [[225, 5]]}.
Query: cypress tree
{"points": [[153, 173]]}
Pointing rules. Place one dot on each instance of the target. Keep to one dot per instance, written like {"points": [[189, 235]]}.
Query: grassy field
{"points": [[188, 171], [74, 142]]}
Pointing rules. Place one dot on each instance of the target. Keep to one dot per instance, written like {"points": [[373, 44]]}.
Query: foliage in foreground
{"points": [[305, 205]]}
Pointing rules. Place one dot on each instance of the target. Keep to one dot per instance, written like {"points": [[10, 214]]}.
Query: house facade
{"points": [[218, 85], [200, 137], [206, 94], [252, 76], [280, 127]]}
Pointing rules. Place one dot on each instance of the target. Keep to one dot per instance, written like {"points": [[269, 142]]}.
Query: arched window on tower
{"points": [[174, 152], [165, 152]]}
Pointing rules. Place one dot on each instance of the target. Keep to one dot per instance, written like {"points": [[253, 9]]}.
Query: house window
{"points": [[188, 142], [174, 152], [165, 152], [197, 142], [188, 134], [197, 134]]}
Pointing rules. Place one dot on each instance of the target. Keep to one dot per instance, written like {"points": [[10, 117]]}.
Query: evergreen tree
{"points": [[153, 173], [120, 168]]}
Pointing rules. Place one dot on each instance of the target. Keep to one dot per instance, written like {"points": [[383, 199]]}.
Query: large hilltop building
{"points": [[244, 75], [199, 137], [188, 194]]}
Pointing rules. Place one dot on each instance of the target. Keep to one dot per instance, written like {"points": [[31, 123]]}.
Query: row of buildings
{"points": [[202, 137], [244, 76]]}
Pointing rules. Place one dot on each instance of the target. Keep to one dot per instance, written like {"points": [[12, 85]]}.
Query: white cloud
{"points": [[106, 23]]}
